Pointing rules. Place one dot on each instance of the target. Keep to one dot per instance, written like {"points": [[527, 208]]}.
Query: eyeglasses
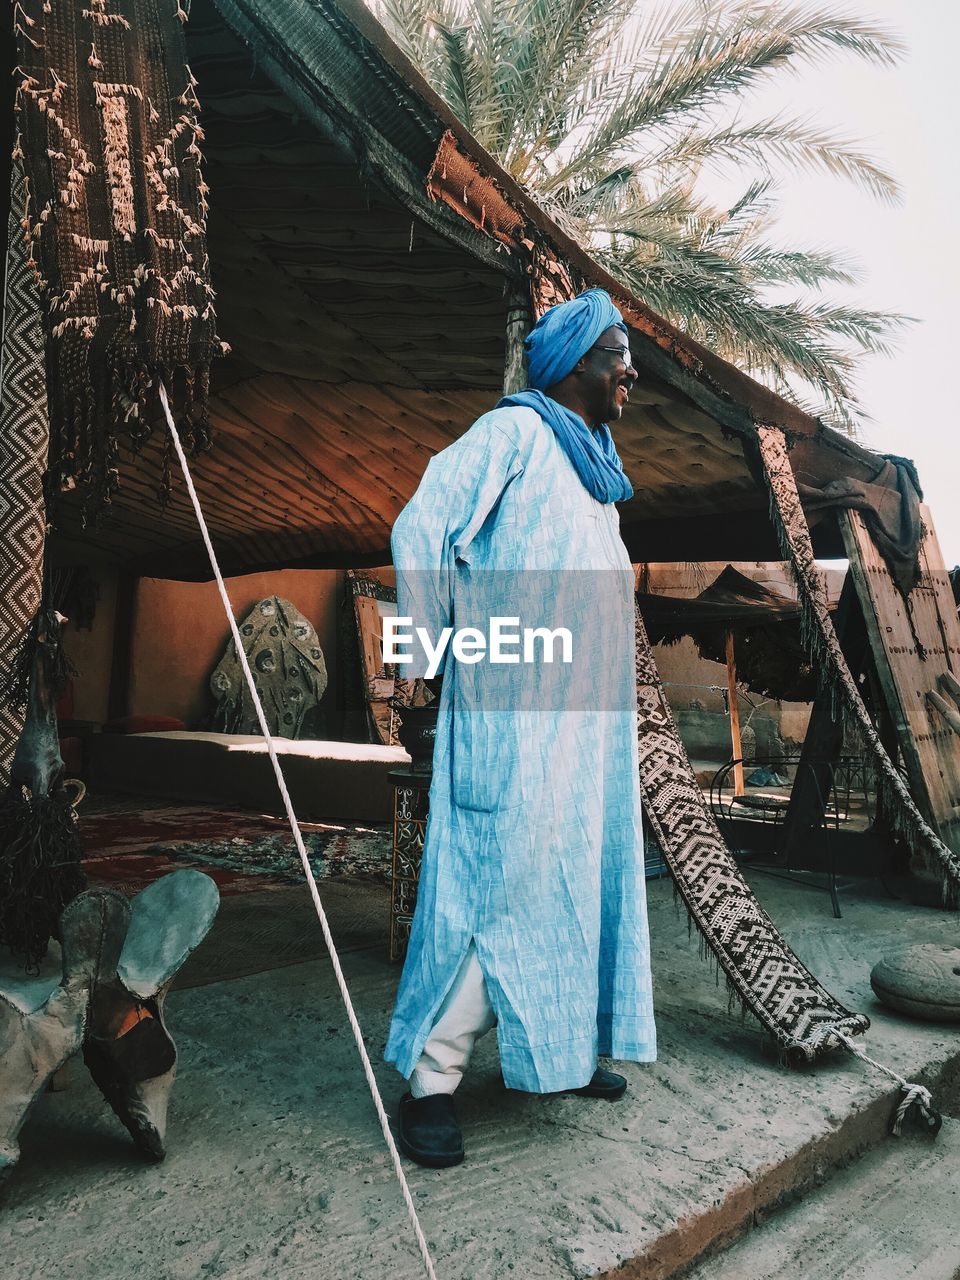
{"points": [[622, 352]]}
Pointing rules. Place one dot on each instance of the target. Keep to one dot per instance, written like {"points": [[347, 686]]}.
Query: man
{"points": [[531, 912]]}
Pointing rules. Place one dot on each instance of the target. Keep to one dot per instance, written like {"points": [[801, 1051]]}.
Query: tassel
{"points": [[40, 851], [40, 869]]}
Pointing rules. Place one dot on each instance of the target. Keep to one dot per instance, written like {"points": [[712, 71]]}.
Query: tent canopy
{"points": [[363, 247], [732, 602], [771, 658]]}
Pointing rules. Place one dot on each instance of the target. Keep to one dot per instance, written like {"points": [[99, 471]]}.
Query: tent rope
{"points": [[913, 1094], [298, 839]]}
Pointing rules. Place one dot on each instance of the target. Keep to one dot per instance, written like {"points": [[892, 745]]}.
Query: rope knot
{"points": [[915, 1096], [919, 1097]]}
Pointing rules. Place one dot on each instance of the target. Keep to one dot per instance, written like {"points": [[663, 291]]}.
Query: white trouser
{"points": [[465, 1015]]}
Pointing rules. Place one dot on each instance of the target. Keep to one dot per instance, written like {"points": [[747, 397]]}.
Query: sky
{"points": [[907, 116]]}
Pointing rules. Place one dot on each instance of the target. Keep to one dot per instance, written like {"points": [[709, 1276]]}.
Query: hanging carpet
{"points": [[824, 647], [23, 460], [769, 980], [114, 211]]}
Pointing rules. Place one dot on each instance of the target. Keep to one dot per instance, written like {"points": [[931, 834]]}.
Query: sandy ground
{"points": [[276, 1165]]}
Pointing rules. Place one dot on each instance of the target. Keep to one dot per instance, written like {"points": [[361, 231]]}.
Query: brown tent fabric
{"points": [[771, 658], [890, 504]]}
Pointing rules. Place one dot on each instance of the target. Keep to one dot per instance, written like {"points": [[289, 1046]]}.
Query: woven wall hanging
{"points": [[113, 206]]}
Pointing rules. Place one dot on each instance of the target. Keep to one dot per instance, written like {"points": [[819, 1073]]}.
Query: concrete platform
{"points": [[891, 1215], [277, 1166]]}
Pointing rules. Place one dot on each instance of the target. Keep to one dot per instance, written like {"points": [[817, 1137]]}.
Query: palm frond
{"points": [[457, 70], [716, 58], [811, 268], [610, 110], [784, 344], [818, 31], [792, 144]]}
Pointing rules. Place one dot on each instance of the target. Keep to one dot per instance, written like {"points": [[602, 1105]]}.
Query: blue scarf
{"points": [[592, 453], [560, 337]]}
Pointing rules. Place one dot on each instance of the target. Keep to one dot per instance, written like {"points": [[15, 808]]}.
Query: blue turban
{"points": [[557, 341], [565, 333]]}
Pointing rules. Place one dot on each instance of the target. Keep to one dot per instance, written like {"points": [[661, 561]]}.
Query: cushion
{"points": [[922, 981]]}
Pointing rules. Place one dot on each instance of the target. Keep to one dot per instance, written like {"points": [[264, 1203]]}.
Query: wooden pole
{"points": [[519, 323], [912, 645], [734, 701]]}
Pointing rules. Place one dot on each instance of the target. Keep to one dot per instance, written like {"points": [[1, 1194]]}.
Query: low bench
{"points": [[336, 780]]}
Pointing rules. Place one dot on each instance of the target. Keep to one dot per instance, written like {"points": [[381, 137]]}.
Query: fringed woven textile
{"points": [[40, 849], [113, 210], [551, 281], [40, 869], [767, 978], [23, 461], [824, 648]]}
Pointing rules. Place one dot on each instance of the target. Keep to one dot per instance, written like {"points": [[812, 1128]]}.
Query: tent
{"points": [[375, 271], [366, 251], [764, 624]]}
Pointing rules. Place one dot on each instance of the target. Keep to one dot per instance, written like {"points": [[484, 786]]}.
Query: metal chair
{"points": [[836, 782]]}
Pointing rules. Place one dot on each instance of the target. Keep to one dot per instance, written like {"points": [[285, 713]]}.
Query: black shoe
{"points": [[603, 1084], [429, 1133]]}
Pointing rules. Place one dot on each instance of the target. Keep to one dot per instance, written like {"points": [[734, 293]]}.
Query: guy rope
{"points": [[301, 849]]}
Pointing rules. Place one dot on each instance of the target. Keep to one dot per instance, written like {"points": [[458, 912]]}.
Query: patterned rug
{"points": [[333, 853], [130, 841], [128, 873], [23, 460], [767, 978], [127, 823], [266, 918]]}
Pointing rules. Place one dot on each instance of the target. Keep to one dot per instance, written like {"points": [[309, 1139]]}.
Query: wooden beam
{"points": [[519, 322], [949, 684], [734, 699], [915, 643], [949, 712]]}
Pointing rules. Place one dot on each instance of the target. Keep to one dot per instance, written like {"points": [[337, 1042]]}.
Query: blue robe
{"points": [[534, 848]]}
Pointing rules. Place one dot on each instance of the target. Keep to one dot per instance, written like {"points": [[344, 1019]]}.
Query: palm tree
{"points": [[608, 112]]}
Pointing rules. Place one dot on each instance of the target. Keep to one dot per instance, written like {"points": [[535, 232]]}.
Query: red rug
{"points": [[131, 872], [130, 841]]}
